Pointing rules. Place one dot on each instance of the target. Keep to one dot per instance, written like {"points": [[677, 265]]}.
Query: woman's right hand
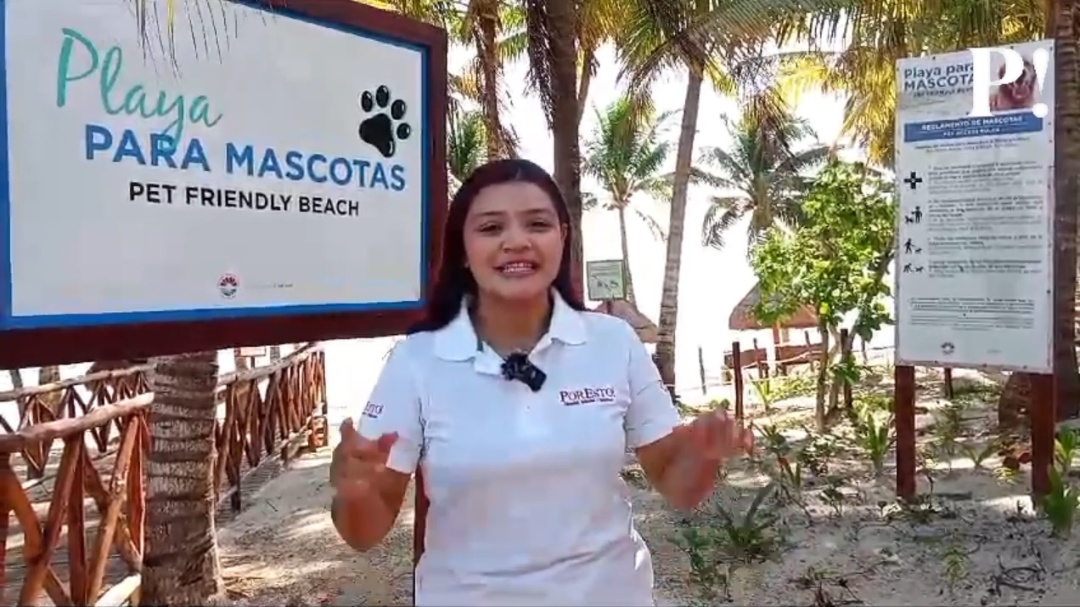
{"points": [[358, 463]]}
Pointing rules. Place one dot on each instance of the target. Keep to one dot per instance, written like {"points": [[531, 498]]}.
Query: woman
{"points": [[521, 468]]}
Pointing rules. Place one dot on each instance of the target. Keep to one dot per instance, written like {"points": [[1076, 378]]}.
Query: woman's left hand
{"points": [[715, 437]]}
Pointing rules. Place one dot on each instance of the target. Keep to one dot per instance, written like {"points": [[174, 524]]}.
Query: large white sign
{"points": [[974, 263], [267, 165]]}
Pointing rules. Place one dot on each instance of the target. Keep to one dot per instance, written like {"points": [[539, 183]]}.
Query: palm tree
{"points": [[599, 21], [563, 48], [181, 565], [552, 27], [763, 178], [626, 154], [497, 31], [1063, 26], [695, 36], [466, 144]]}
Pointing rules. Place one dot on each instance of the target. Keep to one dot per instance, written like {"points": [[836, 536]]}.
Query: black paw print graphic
{"points": [[383, 130]]}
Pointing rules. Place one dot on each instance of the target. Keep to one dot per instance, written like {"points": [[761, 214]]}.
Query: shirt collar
{"points": [[457, 341]]}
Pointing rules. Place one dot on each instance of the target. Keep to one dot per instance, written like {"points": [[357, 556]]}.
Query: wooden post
{"points": [[948, 383], [845, 356], [7, 503], [1043, 416], [904, 420], [736, 372], [762, 367], [701, 369], [776, 347]]}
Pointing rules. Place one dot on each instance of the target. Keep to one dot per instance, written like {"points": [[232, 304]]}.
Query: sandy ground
{"points": [[973, 540], [283, 549]]}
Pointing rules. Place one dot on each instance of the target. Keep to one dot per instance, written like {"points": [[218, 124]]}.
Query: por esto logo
{"points": [[228, 285], [587, 396]]}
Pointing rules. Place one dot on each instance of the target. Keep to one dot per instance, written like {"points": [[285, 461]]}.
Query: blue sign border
{"points": [[7, 321]]}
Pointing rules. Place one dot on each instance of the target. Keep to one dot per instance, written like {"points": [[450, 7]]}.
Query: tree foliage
{"points": [[627, 154], [761, 176], [466, 142], [835, 261], [854, 45]]}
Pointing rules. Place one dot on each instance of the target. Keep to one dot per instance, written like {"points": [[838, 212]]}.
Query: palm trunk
{"points": [[52, 400], [241, 362], [489, 65], [16, 379], [562, 27], [17, 384], [669, 299], [587, 57], [181, 564], [1064, 26], [275, 354], [628, 278]]}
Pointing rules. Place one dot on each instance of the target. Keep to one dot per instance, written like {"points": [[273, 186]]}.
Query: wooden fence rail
{"points": [[66, 400], [120, 503], [269, 410]]}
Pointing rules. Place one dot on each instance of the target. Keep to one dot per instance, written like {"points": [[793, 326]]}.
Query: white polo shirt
{"points": [[527, 504]]}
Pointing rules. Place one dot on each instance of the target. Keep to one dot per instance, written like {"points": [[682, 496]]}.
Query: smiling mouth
{"points": [[517, 269]]}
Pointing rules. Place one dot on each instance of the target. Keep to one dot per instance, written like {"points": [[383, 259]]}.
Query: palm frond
{"points": [[654, 226], [722, 214], [700, 176], [589, 201], [540, 57]]}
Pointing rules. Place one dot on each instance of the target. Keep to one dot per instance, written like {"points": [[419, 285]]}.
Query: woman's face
{"points": [[513, 241]]}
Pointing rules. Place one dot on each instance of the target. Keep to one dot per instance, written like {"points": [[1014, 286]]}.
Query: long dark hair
{"points": [[455, 280]]}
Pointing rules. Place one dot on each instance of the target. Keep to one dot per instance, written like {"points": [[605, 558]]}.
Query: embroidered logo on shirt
{"points": [[587, 396], [373, 411]]}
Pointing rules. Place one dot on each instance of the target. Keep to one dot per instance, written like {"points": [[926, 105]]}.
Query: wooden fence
{"points": [[102, 421]]}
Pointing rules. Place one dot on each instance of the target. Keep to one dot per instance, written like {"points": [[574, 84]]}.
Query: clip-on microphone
{"points": [[518, 367]]}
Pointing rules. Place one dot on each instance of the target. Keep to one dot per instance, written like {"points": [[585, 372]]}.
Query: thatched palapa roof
{"points": [[742, 317], [646, 329]]}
